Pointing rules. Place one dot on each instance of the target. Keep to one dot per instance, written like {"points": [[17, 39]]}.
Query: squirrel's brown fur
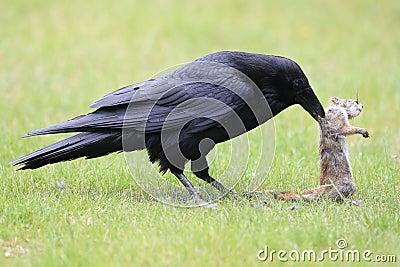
{"points": [[336, 180]]}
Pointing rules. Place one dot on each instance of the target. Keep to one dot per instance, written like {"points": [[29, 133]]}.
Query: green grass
{"points": [[58, 57]]}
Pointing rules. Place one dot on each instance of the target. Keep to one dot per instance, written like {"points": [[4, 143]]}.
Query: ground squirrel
{"points": [[336, 180]]}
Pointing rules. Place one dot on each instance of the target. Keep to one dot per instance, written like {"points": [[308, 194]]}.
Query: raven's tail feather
{"points": [[87, 144]]}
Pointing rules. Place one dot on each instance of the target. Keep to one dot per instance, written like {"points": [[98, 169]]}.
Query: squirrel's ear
{"points": [[334, 100]]}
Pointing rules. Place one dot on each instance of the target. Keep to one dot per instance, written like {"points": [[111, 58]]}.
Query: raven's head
{"points": [[287, 86], [280, 79]]}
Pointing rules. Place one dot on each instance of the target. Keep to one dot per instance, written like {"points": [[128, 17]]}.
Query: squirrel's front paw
{"points": [[365, 133]]}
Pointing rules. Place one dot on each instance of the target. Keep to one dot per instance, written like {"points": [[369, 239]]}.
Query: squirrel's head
{"points": [[352, 106]]}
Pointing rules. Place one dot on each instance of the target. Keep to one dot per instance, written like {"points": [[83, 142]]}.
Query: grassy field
{"points": [[57, 57]]}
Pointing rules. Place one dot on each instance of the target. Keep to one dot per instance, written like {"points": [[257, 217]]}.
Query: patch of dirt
{"points": [[13, 248]]}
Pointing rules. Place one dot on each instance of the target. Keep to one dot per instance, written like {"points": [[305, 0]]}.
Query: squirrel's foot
{"points": [[364, 132]]}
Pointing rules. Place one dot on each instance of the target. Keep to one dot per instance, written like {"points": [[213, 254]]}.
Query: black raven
{"points": [[216, 97]]}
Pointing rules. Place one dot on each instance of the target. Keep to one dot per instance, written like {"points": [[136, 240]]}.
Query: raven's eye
{"points": [[296, 84]]}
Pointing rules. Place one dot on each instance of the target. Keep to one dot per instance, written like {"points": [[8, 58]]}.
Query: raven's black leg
{"points": [[200, 169], [203, 175], [186, 183]]}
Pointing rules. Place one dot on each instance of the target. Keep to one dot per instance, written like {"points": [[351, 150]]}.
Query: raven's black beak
{"points": [[309, 101]]}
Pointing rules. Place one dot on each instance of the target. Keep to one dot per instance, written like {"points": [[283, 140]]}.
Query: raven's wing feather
{"points": [[210, 102], [196, 71], [200, 89]]}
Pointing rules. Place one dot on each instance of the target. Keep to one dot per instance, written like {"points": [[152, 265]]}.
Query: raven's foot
{"points": [[195, 196]]}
